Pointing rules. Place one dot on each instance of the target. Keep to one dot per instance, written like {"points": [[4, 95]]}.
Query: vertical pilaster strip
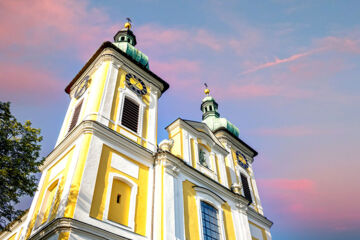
{"points": [[76, 180], [190, 212], [169, 202], [152, 119], [108, 94], [255, 190], [228, 222], [192, 146]]}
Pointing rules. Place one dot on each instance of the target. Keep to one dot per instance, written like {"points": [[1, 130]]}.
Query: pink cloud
{"points": [[203, 37], [175, 38], [22, 82], [293, 131], [348, 44], [51, 26], [179, 73], [236, 91], [304, 203], [289, 193]]}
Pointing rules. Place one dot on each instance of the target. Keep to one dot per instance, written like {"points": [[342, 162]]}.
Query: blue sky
{"points": [[285, 72]]}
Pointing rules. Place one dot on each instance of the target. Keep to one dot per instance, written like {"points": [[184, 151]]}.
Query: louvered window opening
{"points": [[75, 116], [130, 115], [210, 221], [246, 187]]}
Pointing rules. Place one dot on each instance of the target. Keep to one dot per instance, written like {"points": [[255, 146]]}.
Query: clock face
{"points": [[136, 84], [81, 88], [242, 159]]}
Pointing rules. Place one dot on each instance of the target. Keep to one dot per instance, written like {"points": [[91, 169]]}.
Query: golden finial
{"points": [[128, 24], [207, 90]]}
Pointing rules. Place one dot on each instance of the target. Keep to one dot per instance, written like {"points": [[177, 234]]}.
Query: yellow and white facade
{"points": [[108, 178]]}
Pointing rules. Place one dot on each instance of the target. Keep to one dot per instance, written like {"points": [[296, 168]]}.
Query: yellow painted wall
{"points": [[119, 211], [177, 148], [217, 168], [45, 186], [64, 236], [115, 110], [190, 212], [235, 163], [228, 168], [101, 186], [12, 237], [228, 222]]}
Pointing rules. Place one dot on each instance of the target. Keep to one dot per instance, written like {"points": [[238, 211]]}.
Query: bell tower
{"points": [[99, 174]]}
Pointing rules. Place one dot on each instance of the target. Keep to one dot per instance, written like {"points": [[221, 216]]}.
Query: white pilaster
{"points": [[152, 122], [108, 94], [186, 147], [170, 175], [231, 165], [242, 220], [255, 189]]}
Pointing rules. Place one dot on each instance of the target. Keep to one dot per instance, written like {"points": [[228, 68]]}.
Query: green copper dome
{"points": [[126, 41], [212, 119], [132, 52]]}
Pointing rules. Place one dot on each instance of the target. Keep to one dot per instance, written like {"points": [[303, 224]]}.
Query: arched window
{"points": [[210, 214], [47, 204], [120, 201], [210, 221]]}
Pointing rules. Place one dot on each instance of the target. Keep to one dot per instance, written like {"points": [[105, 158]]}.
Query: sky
{"points": [[285, 72]]}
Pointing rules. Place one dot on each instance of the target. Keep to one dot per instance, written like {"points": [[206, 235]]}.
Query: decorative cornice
{"points": [[99, 130], [67, 224], [200, 177], [171, 168], [258, 217], [111, 52]]}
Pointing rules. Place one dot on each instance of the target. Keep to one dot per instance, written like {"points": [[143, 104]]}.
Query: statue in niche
{"points": [[202, 159]]}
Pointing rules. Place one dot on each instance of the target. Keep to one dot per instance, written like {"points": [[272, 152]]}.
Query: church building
{"points": [[109, 178]]}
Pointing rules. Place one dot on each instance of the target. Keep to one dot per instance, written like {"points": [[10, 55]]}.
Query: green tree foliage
{"points": [[19, 161]]}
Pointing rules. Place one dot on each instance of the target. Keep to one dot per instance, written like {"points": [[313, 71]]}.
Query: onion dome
{"points": [[125, 39], [211, 116]]}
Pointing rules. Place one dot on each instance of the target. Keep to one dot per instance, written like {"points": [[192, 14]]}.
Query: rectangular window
{"points": [[75, 116], [130, 114], [246, 187], [46, 204], [210, 222]]}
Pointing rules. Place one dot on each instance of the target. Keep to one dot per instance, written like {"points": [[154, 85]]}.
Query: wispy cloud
{"points": [[278, 61]]}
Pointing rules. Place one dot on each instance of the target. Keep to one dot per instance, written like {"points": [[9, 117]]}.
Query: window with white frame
{"points": [[130, 114], [210, 221], [210, 214], [121, 201], [246, 187]]}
